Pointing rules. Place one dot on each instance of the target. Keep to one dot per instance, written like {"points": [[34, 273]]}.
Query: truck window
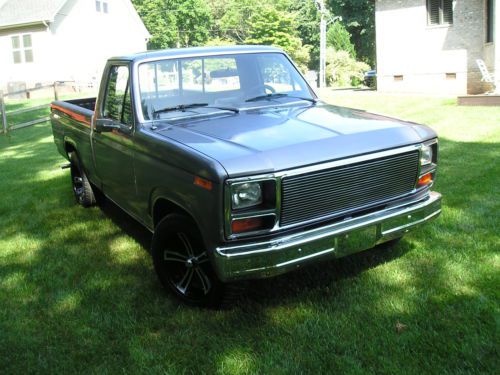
{"points": [[177, 81], [117, 102], [210, 74], [274, 73], [220, 80]]}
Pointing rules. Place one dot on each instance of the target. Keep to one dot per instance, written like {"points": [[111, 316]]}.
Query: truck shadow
{"points": [[314, 276], [321, 276], [126, 223]]}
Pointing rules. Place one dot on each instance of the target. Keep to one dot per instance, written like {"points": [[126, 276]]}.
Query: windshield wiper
{"points": [[279, 95], [183, 107]]}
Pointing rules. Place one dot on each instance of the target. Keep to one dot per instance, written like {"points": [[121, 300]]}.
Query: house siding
{"points": [[75, 46], [24, 72], [430, 57]]}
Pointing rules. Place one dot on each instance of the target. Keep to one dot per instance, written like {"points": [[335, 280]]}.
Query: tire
{"points": [[184, 268], [82, 188]]}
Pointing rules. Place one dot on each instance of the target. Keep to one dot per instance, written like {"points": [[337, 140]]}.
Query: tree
{"points": [[270, 26], [359, 17], [194, 21], [307, 20], [231, 18], [162, 25], [339, 38], [175, 23]]}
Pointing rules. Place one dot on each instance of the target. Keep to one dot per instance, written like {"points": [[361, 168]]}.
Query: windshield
{"points": [[227, 81]]}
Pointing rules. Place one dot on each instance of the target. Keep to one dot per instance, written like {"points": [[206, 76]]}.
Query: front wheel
{"points": [[183, 267]]}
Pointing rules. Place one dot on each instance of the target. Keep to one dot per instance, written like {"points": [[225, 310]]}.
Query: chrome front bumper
{"points": [[283, 254]]}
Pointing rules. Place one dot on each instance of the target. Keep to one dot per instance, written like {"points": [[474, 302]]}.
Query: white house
{"points": [[432, 46], [43, 41]]}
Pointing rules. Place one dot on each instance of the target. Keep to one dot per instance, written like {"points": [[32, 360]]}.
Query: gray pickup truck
{"points": [[228, 157]]}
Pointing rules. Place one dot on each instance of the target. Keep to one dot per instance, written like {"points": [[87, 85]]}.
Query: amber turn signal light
{"points": [[201, 182], [426, 179], [246, 225]]}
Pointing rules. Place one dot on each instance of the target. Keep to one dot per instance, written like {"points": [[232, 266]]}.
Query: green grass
{"points": [[78, 293]]}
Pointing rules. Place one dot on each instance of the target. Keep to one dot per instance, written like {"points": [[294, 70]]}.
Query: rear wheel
{"points": [[82, 188], [183, 266]]}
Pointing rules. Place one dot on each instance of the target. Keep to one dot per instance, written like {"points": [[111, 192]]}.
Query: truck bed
{"points": [[87, 103], [71, 122]]}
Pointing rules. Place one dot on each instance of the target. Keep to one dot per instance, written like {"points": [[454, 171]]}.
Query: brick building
{"points": [[431, 46]]}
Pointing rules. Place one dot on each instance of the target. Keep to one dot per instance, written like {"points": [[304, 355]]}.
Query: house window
{"points": [[440, 12], [22, 48], [101, 6], [490, 20]]}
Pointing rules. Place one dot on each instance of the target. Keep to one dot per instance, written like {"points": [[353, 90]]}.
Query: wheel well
{"points": [[69, 148], [164, 207]]}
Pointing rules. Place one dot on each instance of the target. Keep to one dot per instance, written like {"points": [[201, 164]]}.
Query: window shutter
{"points": [[433, 11], [490, 26], [448, 11]]}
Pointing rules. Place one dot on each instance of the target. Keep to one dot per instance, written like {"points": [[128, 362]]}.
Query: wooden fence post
{"points": [[4, 113], [56, 97]]}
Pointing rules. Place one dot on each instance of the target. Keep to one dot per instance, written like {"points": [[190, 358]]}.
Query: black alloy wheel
{"points": [[183, 266]]}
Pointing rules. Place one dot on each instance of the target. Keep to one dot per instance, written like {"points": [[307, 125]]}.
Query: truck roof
{"points": [[195, 51]]}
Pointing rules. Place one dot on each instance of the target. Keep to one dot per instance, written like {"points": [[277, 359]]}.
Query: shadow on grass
{"points": [[78, 292]]}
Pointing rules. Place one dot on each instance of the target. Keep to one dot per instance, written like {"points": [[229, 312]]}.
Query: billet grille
{"points": [[346, 189]]}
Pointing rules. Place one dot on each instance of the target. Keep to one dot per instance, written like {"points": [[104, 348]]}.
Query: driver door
{"points": [[113, 149]]}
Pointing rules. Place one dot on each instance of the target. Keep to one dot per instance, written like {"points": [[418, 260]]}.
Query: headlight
{"points": [[245, 195], [425, 155]]}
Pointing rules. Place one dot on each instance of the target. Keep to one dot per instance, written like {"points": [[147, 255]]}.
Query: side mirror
{"points": [[103, 125]]}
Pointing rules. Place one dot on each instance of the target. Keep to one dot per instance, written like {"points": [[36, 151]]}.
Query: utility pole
{"points": [[322, 44], [326, 19]]}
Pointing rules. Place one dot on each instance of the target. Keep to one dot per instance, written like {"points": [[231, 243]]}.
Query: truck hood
{"points": [[279, 138]]}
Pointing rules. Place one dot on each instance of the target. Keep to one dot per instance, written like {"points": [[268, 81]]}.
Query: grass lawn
{"points": [[78, 293]]}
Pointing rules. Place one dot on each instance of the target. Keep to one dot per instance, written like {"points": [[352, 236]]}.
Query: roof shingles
{"points": [[22, 12]]}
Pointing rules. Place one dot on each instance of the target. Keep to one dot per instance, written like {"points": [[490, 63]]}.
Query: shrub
{"points": [[342, 69]]}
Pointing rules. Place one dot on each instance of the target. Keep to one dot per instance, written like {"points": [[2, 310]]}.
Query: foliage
{"points": [[307, 20], [194, 21], [180, 23], [342, 69], [78, 292], [339, 38], [270, 26], [220, 42], [231, 18], [359, 18], [162, 24], [290, 24]]}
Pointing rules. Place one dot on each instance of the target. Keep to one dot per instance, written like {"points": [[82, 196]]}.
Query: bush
{"points": [[343, 70]]}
